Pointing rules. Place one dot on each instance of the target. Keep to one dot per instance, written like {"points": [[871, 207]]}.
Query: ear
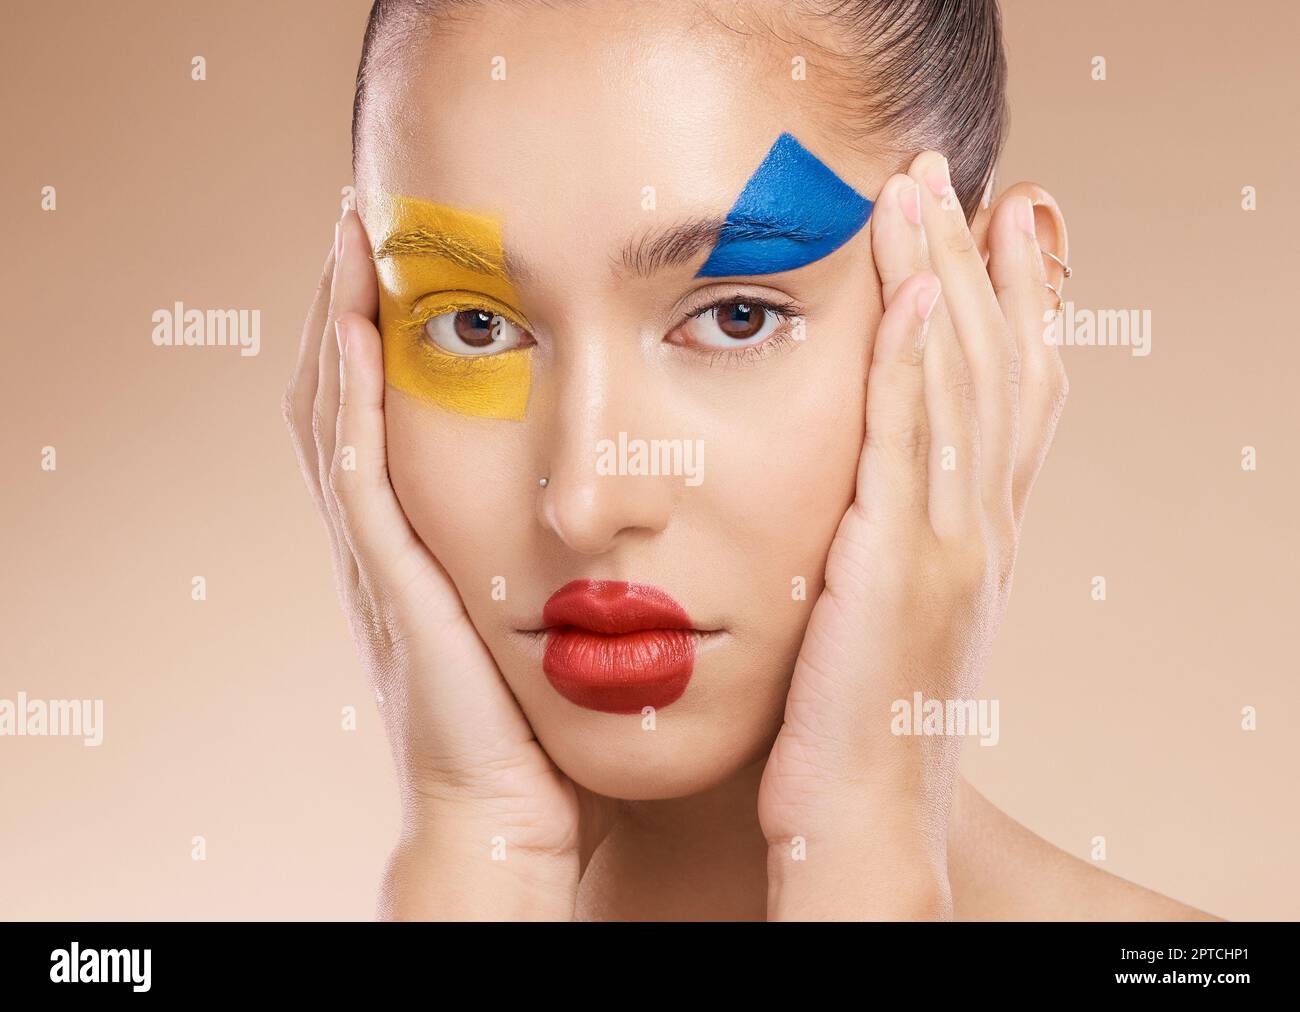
{"points": [[1048, 222]]}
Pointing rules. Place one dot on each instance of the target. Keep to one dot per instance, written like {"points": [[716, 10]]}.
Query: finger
{"points": [[384, 545], [898, 249], [299, 410], [358, 474], [300, 396], [892, 474], [985, 338], [897, 240], [954, 496], [956, 508], [354, 289], [1020, 277]]}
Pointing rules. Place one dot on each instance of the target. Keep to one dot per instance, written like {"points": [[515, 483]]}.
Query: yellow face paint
{"points": [[433, 260]]}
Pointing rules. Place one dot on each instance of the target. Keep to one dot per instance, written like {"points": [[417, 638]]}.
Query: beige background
{"points": [[223, 717]]}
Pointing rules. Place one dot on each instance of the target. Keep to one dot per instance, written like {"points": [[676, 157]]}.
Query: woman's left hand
{"points": [[962, 401]]}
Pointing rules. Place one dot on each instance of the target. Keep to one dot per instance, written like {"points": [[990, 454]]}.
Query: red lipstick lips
{"points": [[617, 647]]}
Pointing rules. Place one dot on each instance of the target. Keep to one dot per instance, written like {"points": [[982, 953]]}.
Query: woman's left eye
{"points": [[736, 323]]}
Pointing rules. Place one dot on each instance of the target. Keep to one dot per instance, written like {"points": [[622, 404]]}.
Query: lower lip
{"points": [[619, 647]]}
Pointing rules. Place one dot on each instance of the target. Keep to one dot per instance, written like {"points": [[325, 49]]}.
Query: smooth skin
{"points": [[915, 588]]}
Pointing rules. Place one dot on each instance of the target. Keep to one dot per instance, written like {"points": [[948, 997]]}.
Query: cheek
{"points": [[788, 474], [779, 485], [454, 479]]}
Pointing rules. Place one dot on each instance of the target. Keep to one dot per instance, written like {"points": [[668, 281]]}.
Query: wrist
{"points": [[860, 870], [456, 866], [910, 889]]}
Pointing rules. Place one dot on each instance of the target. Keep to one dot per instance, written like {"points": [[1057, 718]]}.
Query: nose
{"points": [[599, 404]]}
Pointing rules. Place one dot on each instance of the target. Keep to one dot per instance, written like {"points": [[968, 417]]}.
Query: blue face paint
{"points": [[793, 211]]}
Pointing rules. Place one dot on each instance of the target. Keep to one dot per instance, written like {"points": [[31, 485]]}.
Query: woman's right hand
{"points": [[491, 827]]}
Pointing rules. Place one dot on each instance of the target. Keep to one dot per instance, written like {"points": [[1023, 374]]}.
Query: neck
{"points": [[697, 857], [703, 857], [729, 809]]}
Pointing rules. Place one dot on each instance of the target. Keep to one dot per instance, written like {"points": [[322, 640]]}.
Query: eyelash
{"points": [[779, 341], [458, 302]]}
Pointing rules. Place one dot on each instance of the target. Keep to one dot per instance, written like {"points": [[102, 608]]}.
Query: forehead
{"points": [[588, 120]]}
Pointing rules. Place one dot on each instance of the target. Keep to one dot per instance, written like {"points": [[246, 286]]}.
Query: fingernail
{"points": [[1025, 217], [927, 297], [909, 199], [939, 178]]}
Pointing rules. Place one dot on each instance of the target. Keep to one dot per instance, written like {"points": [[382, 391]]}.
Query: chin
{"points": [[724, 720], [689, 752]]}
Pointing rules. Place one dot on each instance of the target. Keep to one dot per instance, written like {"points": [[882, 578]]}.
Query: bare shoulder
{"points": [[1002, 871]]}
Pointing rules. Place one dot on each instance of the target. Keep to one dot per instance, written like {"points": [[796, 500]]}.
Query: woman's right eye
{"points": [[474, 332]]}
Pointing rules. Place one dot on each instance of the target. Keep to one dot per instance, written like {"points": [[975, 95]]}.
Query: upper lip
{"points": [[613, 608]]}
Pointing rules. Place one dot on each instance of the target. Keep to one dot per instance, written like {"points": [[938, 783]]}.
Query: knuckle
{"points": [[374, 625], [975, 567], [321, 425], [907, 438], [1052, 386], [288, 408], [891, 277], [1003, 562], [1004, 537], [338, 483], [1006, 352], [960, 384], [1061, 385], [1006, 574], [959, 242], [911, 357]]}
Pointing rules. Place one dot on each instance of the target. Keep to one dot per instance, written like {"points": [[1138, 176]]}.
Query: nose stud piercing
{"points": [[543, 482]]}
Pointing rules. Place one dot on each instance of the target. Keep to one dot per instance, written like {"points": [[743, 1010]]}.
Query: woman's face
{"points": [[542, 189]]}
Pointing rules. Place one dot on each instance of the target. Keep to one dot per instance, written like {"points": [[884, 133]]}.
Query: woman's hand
{"points": [[490, 825], [962, 400]]}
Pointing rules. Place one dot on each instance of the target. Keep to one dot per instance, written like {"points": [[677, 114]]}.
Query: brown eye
{"points": [[735, 323], [740, 320], [475, 327], [474, 332]]}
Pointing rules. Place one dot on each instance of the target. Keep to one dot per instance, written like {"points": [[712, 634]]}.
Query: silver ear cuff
{"points": [[1066, 272], [1064, 266]]}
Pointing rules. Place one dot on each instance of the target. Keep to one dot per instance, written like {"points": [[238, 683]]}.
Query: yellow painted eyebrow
{"points": [[460, 250]]}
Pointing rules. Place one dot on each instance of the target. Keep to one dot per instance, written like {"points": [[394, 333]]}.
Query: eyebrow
{"points": [[459, 250], [643, 256], [679, 244]]}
